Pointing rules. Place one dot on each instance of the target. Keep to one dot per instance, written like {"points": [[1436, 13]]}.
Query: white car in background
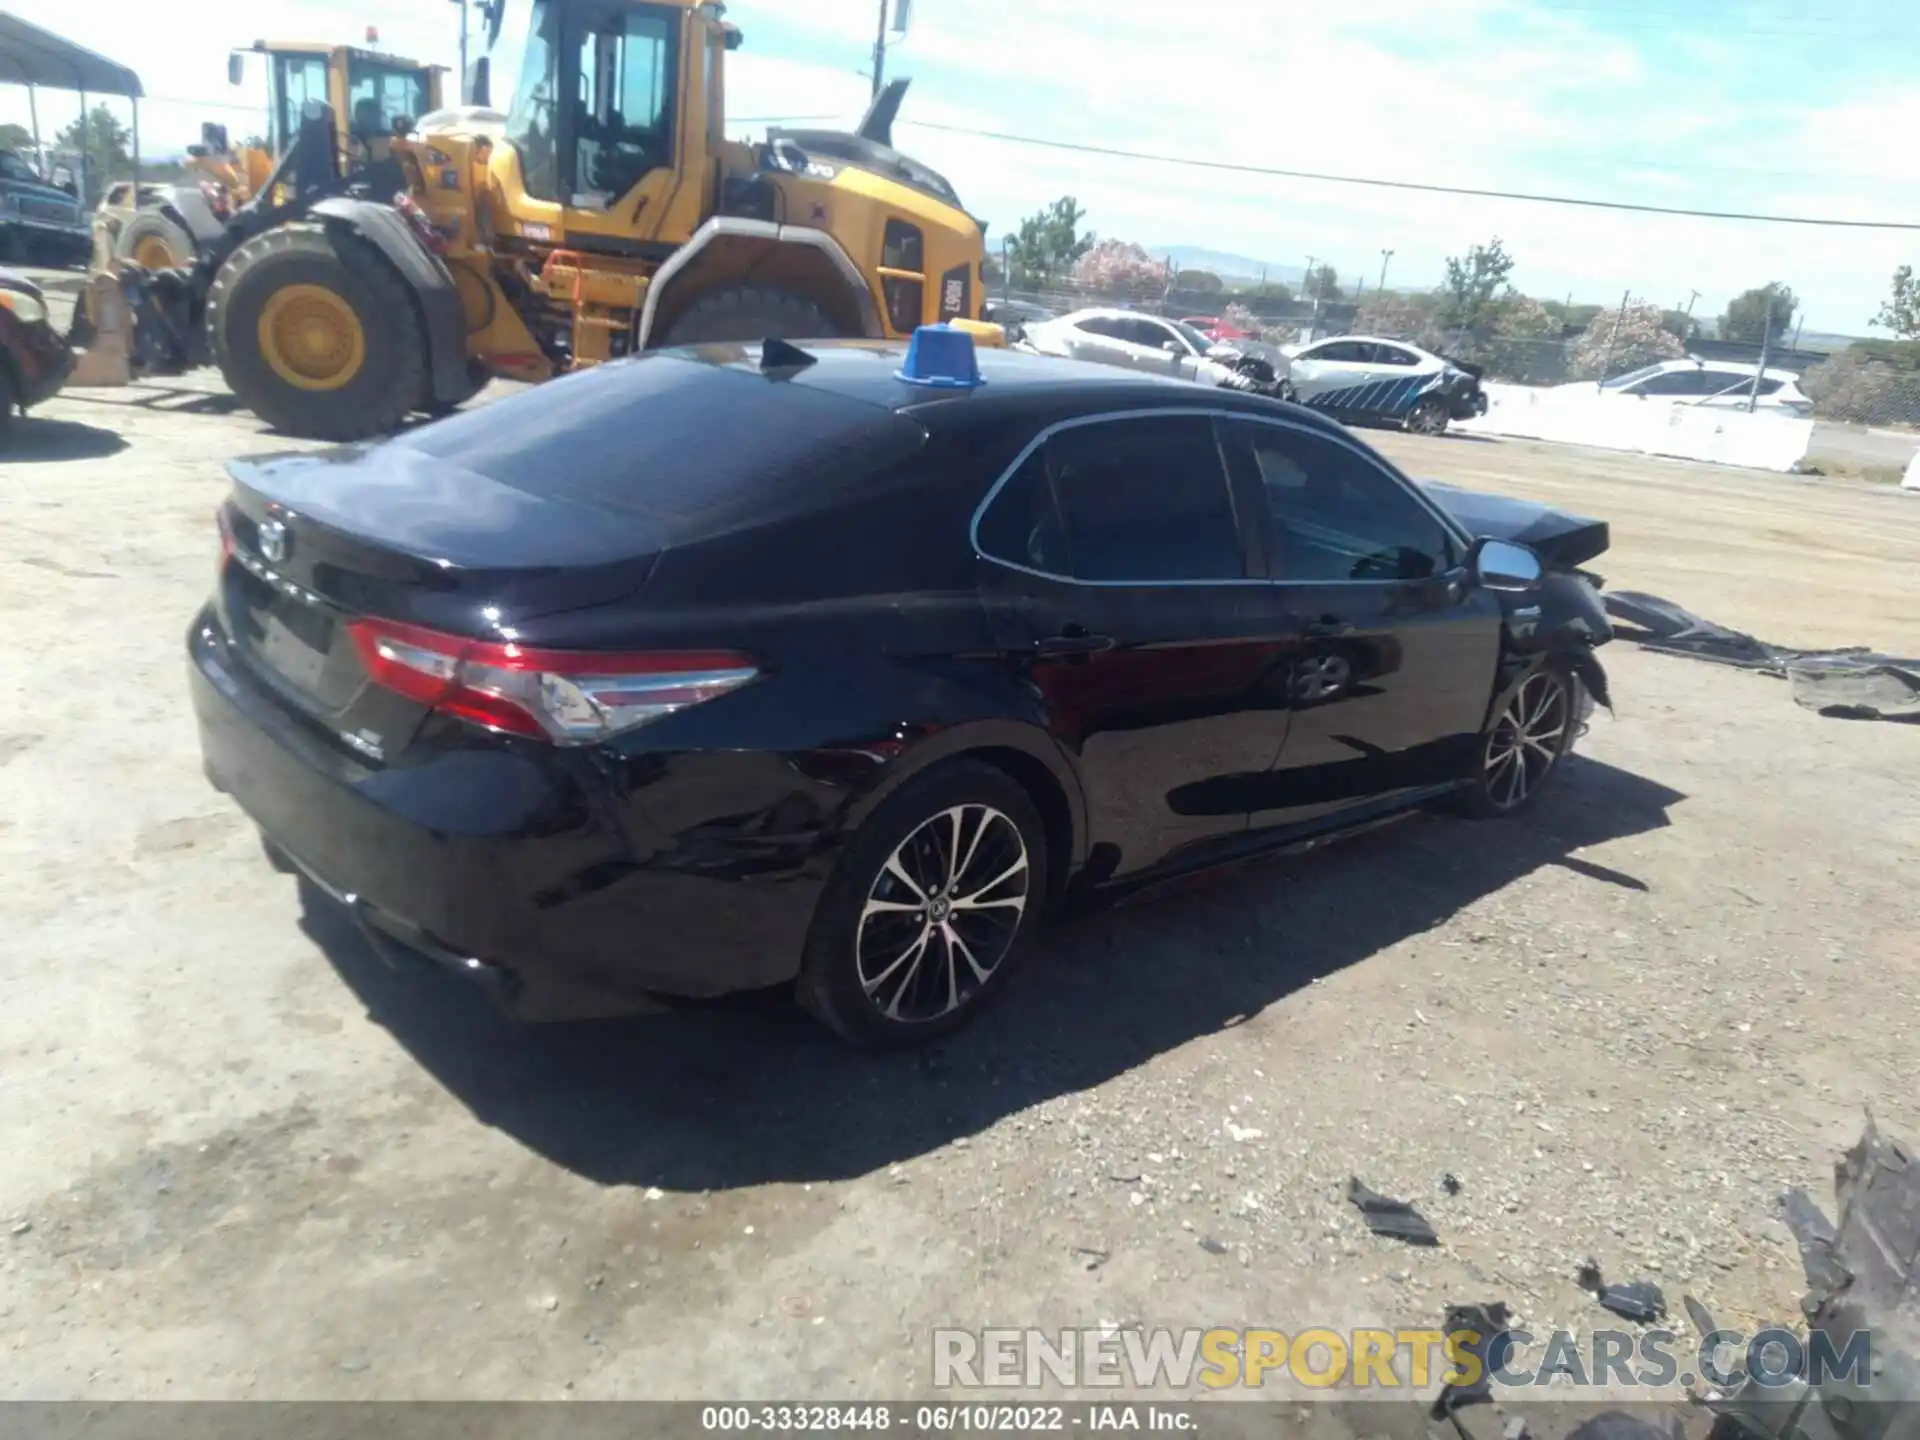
{"points": [[1366, 378], [1136, 341], [1717, 383]]}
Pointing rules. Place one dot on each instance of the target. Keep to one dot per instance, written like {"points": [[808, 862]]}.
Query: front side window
{"points": [[380, 96], [1335, 515], [1394, 355], [531, 119], [1348, 352], [301, 79], [623, 121]]}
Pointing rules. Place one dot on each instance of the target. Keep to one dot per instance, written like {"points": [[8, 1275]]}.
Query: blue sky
{"points": [[1804, 106]]}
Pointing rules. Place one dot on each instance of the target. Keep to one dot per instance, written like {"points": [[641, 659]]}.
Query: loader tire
{"points": [[317, 335], [749, 313], [154, 242]]}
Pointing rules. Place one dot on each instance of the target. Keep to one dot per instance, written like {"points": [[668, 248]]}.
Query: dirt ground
{"points": [[245, 1160]]}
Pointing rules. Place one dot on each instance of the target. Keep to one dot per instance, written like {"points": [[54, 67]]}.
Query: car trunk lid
{"points": [[320, 540]]}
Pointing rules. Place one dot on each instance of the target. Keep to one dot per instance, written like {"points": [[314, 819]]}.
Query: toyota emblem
{"points": [[273, 541]]}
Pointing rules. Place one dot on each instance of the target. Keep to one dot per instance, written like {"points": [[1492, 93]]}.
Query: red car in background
{"points": [[1218, 330]]}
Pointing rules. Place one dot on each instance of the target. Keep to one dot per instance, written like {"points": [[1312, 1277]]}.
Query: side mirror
{"points": [[480, 83], [1503, 566], [1173, 347], [214, 137], [236, 67]]}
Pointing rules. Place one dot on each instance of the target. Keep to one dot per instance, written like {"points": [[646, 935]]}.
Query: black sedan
{"points": [[733, 667]]}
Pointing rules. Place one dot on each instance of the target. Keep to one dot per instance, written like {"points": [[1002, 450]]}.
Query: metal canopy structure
{"points": [[36, 58]]}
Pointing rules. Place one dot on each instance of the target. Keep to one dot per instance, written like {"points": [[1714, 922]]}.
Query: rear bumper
{"points": [[534, 873]]}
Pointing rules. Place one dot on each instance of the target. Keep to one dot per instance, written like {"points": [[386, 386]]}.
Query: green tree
{"points": [[15, 137], [1474, 281], [1901, 311], [1322, 283], [1748, 314], [1200, 282], [1270, 292], [1049, 244], [1677, 323], [102, 139], [1572, 317]]}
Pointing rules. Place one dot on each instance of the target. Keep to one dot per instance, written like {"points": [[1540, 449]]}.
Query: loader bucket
{"points": [[103, 313]]}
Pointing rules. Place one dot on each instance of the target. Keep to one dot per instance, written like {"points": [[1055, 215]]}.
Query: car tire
{"points": [[370, 389], [1511, 769], [881, 967], [749, 313], [1428, 417]]}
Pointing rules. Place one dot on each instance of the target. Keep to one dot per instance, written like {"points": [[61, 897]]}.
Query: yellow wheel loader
{"points": [[367, 92], [603, 213]]}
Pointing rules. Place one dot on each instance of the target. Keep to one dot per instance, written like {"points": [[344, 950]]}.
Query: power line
{"points": [[1239, 169]]}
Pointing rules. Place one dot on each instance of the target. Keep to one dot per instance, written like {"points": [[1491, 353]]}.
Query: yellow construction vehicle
{"points": [[604, 213], [367, 92]]}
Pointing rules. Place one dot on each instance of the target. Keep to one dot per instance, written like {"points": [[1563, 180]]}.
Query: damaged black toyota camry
{"points": [[834, 667]]}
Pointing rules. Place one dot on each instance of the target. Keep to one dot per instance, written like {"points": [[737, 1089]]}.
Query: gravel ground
{"points": [[247, 1161]]}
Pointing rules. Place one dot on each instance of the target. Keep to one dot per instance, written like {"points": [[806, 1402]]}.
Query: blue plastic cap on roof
{"points": [[941, 357]]}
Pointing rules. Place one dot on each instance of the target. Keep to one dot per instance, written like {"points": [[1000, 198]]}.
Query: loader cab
{"points": [[369, 92], [614, 120]]}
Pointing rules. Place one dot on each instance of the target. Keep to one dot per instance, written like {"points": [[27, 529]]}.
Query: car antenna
{"points": [[778, 354]]}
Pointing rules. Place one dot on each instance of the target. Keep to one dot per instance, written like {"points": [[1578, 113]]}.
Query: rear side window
{"points": [[1138, 500], [1022, 525]]}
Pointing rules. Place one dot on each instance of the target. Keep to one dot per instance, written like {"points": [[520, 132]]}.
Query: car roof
{"points": [[1018, 384], [1738, 367]]}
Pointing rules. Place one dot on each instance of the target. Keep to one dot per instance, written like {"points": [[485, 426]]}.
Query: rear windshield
{"points": [[682, 448]]}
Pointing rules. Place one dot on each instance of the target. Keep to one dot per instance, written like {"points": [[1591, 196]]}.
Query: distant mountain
{"points": [[1227, 266]]}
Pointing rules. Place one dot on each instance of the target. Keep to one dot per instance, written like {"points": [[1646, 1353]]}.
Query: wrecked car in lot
{"points": [[35, 359], [1156, 346], [1360, 378], [834, 666]]}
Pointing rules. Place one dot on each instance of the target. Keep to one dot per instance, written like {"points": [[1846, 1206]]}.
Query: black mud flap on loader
{"points": [[430, 282]]}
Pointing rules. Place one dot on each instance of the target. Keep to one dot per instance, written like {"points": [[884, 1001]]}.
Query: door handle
{"points": [[1075, 641], [1327, 627]]}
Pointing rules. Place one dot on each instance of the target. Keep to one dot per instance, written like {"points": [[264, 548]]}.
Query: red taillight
{"points": [[571, 697], [226, 538]]}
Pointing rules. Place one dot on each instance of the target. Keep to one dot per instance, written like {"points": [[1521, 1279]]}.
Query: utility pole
{"points": [[1766, 345], [1313, 294], [1606, 361], [1687, 324], [880, 50], [1385, 255], [460, 85]]}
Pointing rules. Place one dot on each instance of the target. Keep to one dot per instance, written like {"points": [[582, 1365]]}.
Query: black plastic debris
{"points": [[1850, 681], [1491, 1344], [1638, 1300], [1816, 1237], [1395, 1219], [1450, 1183]]}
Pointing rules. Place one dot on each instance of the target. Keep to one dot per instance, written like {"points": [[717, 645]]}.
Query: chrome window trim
{"points": [[1447, 522]]}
